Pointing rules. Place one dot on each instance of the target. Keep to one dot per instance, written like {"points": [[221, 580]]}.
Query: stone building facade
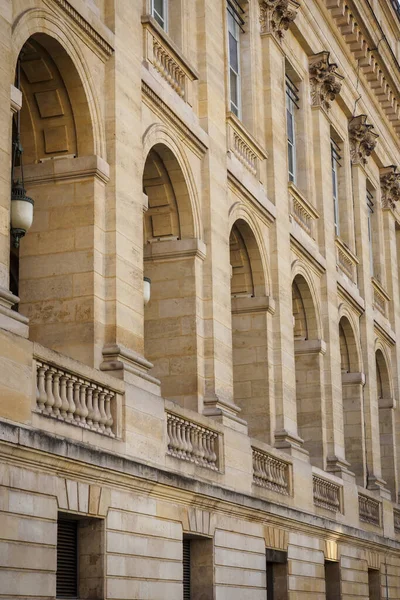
{"points": [[237, 435]]}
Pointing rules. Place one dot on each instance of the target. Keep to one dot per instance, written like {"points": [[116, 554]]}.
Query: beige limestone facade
{"points": [[237, 436]]}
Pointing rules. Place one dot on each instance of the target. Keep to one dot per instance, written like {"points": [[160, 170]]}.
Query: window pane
{"points": [[290, 127], [233, 53], [159, 7], [234, 89]]}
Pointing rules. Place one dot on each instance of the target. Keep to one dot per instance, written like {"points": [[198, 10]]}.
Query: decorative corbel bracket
{"points": [[277, 15], [325, 81], [362, 139], [390, 186]]}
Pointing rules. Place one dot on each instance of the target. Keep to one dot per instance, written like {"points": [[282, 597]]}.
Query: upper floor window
{"points": [[292, 100], [235, 23], [370, 208], [159, 10], [335, 165]]}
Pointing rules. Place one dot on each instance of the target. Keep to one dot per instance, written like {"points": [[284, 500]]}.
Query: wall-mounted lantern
{"points": [[146, 290], [21, 205]]}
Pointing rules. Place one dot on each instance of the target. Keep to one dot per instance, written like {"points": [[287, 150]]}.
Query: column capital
{"points": [[325, 81], [362, 139], [277, 15], [390, 186]]}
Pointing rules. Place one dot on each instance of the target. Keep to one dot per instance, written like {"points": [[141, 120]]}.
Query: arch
{"points": [[159, 136], [55, 35], [349, 352], [169, 214], [384, 383], [307, 320], [250, 316], [255, 242]]}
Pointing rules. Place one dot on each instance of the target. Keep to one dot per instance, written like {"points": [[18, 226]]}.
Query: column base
{"points": [[291, 444], [225, 412], [377, 484], [11, 320], [340, 467], [130, 366]]}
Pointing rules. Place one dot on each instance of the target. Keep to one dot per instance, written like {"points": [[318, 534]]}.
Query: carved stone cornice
{"points": [[325, 81], [277, 15], [390, 186], [362, 139]]}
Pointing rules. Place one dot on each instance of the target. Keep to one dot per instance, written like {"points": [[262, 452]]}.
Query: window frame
{"points": [[163, 17], [234, 28], [292, 100], [335, 165], [370, 209]]}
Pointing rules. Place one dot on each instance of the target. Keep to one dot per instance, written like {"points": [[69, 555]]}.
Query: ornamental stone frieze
{"points": [[362, 139], [277, 15], [390, 186], [325, 81]]}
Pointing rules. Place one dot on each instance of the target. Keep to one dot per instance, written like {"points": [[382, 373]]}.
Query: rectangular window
{"points": [[335, 165], [277, 574], [332, 580], [374, 584], [292, 100], [67, 559], [159, 10], [235, 23], [186, 569], [370, 208]]}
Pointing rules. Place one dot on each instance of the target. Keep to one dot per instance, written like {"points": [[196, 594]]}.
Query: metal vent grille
{"points": [[186, 569], [67, 554]]}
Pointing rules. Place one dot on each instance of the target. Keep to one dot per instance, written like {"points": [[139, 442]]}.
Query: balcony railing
{"points": [[271, 472], [346, 260], [380, 297], [65, 392], [302, 212], [326, 494], [244, 146], [369, 510], [396, 517], [192, 442]]}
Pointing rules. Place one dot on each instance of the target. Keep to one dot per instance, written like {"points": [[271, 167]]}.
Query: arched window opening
{"points": [[309, 371], [52, 271], [173, 262], [386, 423], [250, 325], [352, 399]]}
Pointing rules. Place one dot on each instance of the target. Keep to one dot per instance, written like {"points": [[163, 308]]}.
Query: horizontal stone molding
{"points": [[327, 494], [242, 144], [192, 442], [164, 250], [302, 212], [369, 510], [67, 168], [353, 379], [68, 391], [271, 472], [167, 59], [346, 260], [310, 346], [252, 304]]}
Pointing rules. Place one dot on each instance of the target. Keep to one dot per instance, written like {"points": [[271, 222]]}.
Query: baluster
{"points": [[103, 416], [110, 420], [56, 391], [202, 452], [174, 437], [196, 444], [189, 446], [63, 395], [41, 395], [77, 386], [49, 390], [89, 404], [70, 397], [82, 401], [213, 442], [179, 435], [209, 455], [96, 410]]}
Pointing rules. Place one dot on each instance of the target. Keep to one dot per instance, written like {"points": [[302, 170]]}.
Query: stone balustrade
{"points": [[369, 510], [271, 472], [192, 442], [71, 396], [396, 517], [302, 212], [167, 60], [380, 297], [346, 260], [244, 146], [326, 494]]}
